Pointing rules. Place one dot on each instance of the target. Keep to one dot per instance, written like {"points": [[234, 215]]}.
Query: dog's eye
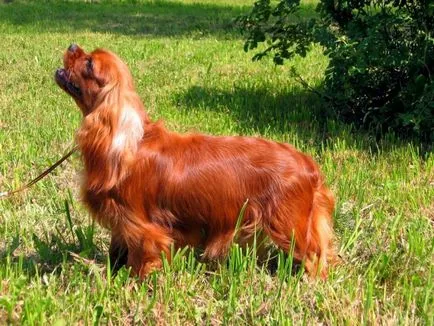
{"points": [[89, 66]]}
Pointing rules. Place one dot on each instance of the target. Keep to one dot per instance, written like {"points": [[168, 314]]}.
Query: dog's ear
{"points": [[111, 133], [94, 138]]}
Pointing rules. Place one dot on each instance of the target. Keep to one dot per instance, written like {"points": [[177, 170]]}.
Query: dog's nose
{"points": [[72, 47]]}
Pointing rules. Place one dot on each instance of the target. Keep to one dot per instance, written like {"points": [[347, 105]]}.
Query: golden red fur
{"points": [[153, 188]]}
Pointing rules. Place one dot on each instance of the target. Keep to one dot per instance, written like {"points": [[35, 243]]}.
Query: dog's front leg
{"points": [[118, 252], [146, 243]]}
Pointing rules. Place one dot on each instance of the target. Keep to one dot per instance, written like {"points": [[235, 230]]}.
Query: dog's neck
{"points": [[128, 132]]}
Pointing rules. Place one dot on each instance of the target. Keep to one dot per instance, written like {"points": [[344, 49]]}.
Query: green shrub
{"points": [[381, 56]]}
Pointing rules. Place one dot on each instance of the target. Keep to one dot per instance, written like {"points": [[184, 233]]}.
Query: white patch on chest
{"points": [[129, 131]]}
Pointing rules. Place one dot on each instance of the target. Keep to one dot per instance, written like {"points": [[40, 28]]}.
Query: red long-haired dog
{"points": [[153, 188]]}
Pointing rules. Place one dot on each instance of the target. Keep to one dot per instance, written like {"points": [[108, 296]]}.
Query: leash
{"points": [[7, 194]]}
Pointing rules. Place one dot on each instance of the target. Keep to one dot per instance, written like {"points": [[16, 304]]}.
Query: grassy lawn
{"points": [[190, 70]]}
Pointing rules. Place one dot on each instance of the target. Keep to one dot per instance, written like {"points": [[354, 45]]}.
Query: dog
{"points": [[154, 188]]}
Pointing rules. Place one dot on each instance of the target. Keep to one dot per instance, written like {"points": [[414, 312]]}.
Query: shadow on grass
{"points": [[296, 112], [156, 18], [53, 253], [53, 250], [265, 111]]}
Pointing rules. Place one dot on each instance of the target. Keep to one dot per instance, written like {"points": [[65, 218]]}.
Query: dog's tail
{"points": [[305, 216], [320, 237]]}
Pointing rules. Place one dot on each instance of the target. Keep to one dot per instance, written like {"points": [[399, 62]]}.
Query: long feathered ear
{"points": [[109, 138], [94, 139]]}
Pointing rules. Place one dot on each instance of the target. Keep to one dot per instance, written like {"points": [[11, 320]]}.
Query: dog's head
{"points": [[89, 78]]}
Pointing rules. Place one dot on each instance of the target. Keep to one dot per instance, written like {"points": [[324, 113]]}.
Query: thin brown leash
{"points": [[7, 194]]}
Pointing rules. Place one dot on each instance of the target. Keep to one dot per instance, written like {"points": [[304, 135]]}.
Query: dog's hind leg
{"points": [[217, 244], [305, 219], [189, 236]]}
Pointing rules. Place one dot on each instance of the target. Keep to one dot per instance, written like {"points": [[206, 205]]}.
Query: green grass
{"points": [[190, 70]]}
